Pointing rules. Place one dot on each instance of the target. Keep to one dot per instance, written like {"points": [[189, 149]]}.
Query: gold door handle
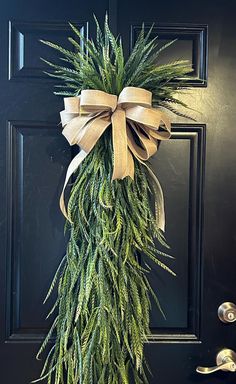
{"points": [[225, 361]]}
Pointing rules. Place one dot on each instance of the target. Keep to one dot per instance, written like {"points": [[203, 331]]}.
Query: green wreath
{"points": [[101, 314]]}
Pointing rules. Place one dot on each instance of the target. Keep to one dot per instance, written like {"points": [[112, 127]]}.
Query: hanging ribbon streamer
{"points": [[87, 116]]}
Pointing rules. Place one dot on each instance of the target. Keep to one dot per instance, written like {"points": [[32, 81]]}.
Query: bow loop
{"points": [[72, 107], [95, 101], [131, 96]]}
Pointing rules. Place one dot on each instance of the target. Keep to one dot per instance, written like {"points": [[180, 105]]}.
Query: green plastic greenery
{"points": [[101, 314]]}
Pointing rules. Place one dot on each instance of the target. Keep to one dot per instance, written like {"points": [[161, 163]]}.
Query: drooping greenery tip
{"points": [[103, 299], [101, 314]]}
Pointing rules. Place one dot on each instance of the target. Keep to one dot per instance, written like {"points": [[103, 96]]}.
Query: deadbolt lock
{"points": [[227, 312]]}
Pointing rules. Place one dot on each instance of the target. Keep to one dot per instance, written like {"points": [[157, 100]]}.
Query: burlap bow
{"points": [[86, 118]]}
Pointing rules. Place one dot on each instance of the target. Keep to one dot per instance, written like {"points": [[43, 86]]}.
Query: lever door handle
{"points": [[230, 366], [225, 361]]}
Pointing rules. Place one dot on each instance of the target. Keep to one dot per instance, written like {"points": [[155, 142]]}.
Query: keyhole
{"points": [[231, 316]]}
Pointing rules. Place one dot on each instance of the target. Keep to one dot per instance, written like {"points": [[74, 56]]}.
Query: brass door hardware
{"points": [[227, 312], [225, 361]]}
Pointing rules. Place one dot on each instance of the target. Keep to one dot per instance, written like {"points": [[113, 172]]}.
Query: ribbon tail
{"points": [[130, 165], [159, 199], [120, 146], [76, 161]]}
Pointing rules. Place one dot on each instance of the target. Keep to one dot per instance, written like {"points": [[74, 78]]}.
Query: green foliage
{"points": [[101, 65], [103, 300], [103, 294]]}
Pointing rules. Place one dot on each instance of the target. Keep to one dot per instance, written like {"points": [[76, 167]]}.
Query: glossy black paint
{"points": [[196, 169]]}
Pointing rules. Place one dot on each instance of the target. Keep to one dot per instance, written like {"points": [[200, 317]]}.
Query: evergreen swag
{"points": [[103, 303]]}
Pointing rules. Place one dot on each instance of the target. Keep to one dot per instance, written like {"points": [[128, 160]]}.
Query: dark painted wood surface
{"points": [[194, 176]]}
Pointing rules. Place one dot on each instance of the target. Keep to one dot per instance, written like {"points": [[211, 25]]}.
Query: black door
{"points": [[194, 175]]}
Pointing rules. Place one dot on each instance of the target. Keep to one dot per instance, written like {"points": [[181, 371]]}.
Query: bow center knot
{"points": [[118, 108]]}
